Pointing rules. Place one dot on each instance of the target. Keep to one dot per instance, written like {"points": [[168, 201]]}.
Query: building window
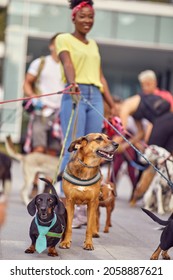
{"points": [[49, 18], [102, 28], [166, 34], [133, 27]]}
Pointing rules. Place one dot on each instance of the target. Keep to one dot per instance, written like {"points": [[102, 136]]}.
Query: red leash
{"points": [[116, 122], [43, 95]]}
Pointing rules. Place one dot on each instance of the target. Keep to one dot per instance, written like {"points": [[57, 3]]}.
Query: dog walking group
{"points": [[82, 181], [83, 184]]}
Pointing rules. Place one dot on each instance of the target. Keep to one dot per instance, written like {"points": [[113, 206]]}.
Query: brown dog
{"points": [[82, 179], [107, 196], [107, 200]]}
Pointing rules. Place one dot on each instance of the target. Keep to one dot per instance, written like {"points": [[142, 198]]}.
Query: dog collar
{"points": [[77, 181], [86, 165]]}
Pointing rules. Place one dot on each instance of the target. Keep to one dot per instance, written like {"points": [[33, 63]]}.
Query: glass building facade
{"points": [[130, 40]]}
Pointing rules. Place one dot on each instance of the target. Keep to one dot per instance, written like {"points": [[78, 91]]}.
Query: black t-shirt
{"points": [[151, 107]]}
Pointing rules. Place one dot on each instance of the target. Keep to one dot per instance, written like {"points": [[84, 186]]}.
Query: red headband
{"points": [[80, 6]]}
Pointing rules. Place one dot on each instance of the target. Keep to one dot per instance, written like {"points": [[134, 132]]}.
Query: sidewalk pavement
{"points": [[134, 236]]}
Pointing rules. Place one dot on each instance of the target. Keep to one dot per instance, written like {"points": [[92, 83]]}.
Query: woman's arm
{"points": [[127, 108], [68, 66], [148, 131]]}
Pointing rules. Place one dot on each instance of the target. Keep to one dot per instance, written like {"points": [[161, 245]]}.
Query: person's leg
{"points": [[143, 184], [93, 124], [54, 143], [94, 121], [65, 115], [39, 135], [117, 162], [39, 139], [88, 120], [132, 176], [132, 158]]}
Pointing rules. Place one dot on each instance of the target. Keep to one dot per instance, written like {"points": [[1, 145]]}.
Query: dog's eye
{"points": [[39, 200], [100, 138], [50, 200]]}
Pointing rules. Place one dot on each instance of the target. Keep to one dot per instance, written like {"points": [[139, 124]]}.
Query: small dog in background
{"points": [[159, 195], [107, 197], [48, 226], [5, 173], [32, 164]]}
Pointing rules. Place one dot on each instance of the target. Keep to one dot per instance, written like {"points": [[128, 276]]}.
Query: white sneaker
{"points": [[76, 223], [80, 216]]}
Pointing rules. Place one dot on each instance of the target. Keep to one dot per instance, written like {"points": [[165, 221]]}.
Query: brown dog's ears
{"points": [[31, 207], [77, 144]]}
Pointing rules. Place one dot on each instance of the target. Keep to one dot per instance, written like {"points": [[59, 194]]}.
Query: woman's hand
{"points": [[74, 88], [75, 92], [113, 112]]}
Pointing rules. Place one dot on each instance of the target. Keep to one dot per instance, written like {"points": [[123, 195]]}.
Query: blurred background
{"points": [[132, 35]]}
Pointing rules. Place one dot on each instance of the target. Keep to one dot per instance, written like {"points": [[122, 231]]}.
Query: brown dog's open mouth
{"points": [[108, 156]]}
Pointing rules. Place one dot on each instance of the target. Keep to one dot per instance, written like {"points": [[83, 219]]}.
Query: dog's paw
{"points": [[65, 245], [165, 256], [161, 212], [132, 203], [30, 250], [154, 257], [52, 252], [88, 246], [96, 235]]}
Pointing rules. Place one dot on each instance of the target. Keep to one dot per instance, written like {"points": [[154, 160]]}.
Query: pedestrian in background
{"points": [[44, 131], [156, 106]]}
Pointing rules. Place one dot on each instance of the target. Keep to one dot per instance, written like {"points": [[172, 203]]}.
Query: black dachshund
{"points": [[48, 226], [166, 238]]}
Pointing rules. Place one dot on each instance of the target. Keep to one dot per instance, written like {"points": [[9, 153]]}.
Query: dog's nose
{"points": [[43, 208], [115, 144]]}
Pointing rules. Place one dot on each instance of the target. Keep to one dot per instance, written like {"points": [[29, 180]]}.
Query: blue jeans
{"points": [[89, 121]]}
